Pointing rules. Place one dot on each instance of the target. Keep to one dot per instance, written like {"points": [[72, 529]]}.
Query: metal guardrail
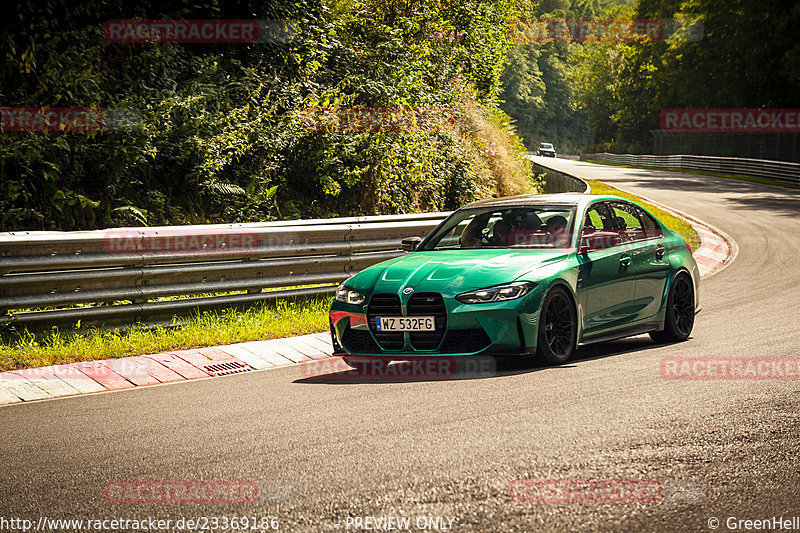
{"points": [[783, 171], [121, 275], [557, 181]]}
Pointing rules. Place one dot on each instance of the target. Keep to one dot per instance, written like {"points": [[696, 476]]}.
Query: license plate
{"points": [[405, 323]]}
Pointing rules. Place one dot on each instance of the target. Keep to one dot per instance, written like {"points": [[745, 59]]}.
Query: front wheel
{"points": [[679, 319], [557, 327]]}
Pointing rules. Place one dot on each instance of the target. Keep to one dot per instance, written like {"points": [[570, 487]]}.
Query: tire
{"points": [[373, 366], [557, 327], [679, 319]]}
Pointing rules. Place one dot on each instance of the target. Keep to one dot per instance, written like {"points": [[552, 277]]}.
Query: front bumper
{"points": [[501, 328]]}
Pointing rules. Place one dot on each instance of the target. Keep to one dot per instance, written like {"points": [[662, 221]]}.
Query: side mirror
{"points": [[409, 244]]}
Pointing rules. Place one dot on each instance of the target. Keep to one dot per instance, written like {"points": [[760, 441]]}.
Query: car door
{"points": [[649, 265], [606, 284]]}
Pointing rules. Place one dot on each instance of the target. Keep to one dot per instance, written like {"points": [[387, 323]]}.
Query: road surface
{"points": [[324, 449]]}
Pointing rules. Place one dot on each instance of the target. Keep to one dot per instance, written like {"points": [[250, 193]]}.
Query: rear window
{"points": [[633, 223]]}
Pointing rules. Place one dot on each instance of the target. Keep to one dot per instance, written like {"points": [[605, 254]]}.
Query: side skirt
{"points": [[622, 333]]}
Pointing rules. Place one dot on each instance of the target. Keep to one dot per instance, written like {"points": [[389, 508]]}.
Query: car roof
{"points": [[522, 200]]}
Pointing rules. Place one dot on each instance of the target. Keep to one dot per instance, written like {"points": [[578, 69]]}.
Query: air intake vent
{"points": [[359, 341], [465, 341]]}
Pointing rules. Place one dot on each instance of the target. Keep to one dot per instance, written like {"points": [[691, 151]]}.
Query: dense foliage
{"points": [[540, 90], [609, 95], [222, 136]]}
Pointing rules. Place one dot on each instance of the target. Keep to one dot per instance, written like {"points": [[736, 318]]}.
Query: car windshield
{"points": [[546, 146], [542, 226]]}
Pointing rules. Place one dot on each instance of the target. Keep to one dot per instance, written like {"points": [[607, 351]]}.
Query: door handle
{"points": [[625, 261], [660, 252]]}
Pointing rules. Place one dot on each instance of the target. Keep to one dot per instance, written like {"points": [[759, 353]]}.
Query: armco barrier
{"points": [[784, 171], [556, 181], [123, 275]]}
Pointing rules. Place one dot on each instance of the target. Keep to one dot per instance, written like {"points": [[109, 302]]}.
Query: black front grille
{"points": [[359, 341], [428, 304], [385, 304], [465, 341]]}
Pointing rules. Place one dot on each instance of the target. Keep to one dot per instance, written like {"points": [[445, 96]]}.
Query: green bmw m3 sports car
{"points": [[521, 275]]}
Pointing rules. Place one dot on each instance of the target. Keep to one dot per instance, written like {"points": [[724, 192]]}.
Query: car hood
{"points": [[456, 271]]}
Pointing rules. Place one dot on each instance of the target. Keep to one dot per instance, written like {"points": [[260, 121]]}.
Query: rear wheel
{"points": [[679, 319], [557, 327], [372, 366]]}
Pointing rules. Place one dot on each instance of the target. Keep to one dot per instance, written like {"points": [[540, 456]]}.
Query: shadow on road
{"points": [[336, 371]]}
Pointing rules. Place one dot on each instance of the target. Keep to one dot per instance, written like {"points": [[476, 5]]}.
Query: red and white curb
{"points": [[713, 251], [181, 365]]}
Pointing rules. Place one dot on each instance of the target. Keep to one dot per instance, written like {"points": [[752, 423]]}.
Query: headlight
{"points": [[498, 293], [349, 296]]}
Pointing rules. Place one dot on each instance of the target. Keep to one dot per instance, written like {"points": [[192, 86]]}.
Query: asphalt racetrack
{"points": [[325, 451]]}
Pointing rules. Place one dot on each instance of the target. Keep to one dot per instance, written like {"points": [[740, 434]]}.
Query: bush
{"points": [[220, 136]]}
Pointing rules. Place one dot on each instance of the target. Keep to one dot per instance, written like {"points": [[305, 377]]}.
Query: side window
{"points": [[629, 223], [651, 227], [599, 231], [597, 217]]}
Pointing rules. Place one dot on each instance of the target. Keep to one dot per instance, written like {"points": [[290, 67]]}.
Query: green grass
{"points": [[672, 222], [751, 179], [209, 329]]}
